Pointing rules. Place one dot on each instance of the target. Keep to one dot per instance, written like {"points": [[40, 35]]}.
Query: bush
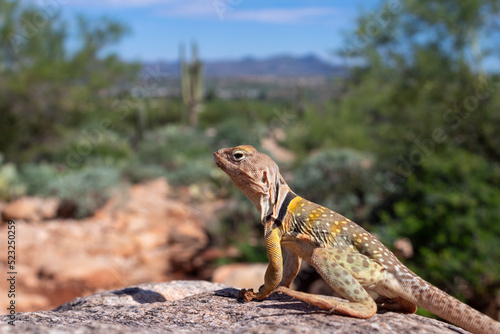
{"points": [[86, 146], [342, 180], [235, 131], [137, 172], [11, 185], [173, 146], [37, 178], [449, 209], [326, 127], [85, 189], [184, 154], [196, 171], [249, 111]]}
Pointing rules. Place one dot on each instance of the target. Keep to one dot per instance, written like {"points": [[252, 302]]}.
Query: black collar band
{"points": [[284, 207]]}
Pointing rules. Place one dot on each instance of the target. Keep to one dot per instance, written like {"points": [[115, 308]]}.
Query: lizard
{"points": [[350, 260]]}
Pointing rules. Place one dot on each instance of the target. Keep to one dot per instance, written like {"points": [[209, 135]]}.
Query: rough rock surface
{"points": [[203, 307]]}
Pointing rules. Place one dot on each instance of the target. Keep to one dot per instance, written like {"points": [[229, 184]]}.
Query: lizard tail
{"points": [[451, 309]]}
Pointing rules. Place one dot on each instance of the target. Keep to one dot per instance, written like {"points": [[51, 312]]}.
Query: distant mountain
{"points": [[278, 66]]}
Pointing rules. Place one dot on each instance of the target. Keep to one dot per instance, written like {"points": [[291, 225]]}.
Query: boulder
{"points": [[30, 209], [241, 275], [203, 307], [139, 235]]}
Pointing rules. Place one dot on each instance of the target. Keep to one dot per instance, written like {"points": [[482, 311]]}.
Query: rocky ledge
{"points": [[200, 306]]}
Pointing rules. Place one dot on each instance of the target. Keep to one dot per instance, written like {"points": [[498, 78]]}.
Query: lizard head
{"points": [[255, 173]]}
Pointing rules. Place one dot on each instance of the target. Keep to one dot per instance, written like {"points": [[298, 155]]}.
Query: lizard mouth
{"points": [[218, 159]]}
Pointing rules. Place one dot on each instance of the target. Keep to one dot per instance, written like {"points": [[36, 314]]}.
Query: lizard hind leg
{"points": [[360, 304], [361, 310]]}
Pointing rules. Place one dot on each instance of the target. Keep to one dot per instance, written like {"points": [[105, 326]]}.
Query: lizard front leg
{"points": [[274, 271]]}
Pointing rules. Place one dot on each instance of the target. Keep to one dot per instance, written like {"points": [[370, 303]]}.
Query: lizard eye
{"points": [[238, 155]]}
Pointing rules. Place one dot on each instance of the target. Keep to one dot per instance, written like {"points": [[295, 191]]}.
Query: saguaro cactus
{"points": [[192, 83]]}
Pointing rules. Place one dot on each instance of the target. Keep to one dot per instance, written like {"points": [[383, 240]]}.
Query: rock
{"points": [[403, 248], [144, 293], [241, 275], [139, 235], [91, 273], [186, 242], [30, 209], [202, 307], [33, 301]]}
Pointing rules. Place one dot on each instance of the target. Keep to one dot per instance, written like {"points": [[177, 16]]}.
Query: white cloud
{"points": [[119, 3], [223, 10], [232, 10], [189, 9], [280, 15]]}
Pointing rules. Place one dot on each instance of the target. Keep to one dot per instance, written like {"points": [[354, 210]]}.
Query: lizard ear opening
{"points": [[269, 188]]}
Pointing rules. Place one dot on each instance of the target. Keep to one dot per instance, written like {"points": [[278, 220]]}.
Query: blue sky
{"points": [[226, 29]]}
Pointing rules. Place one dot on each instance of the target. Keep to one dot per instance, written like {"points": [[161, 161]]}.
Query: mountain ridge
{"points": [[275, 66]]}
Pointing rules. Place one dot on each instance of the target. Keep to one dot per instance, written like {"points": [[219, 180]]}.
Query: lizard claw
{"points": [[246, 294]]}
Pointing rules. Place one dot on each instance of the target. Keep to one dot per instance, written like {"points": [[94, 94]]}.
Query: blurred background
{"points": [[386, 111]]}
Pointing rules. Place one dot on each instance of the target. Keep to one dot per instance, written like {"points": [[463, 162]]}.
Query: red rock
{"points": [[241, 275], [30, 209], [139, 235]]}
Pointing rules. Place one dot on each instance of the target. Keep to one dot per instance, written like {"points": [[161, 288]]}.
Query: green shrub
{"points": [[87, 189], [163, 111], [342, 179], [94, 144], [11, 185], [182, 154], [328, 126], [37, 178], [250, 111], [449, 209], [173, 146], [137, 172], [236, 131], [195, 171]]}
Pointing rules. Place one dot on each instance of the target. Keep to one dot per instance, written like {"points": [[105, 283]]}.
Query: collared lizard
{"points": [[350, 259]]}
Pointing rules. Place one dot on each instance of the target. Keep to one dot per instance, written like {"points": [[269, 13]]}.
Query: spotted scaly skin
{"points": [[350, 259]]}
